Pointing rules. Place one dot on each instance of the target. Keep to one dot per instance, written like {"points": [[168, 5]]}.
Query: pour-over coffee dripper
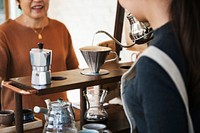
{"points": [[95, 57]]}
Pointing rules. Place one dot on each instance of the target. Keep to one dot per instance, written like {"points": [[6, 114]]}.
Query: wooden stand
{"points": [[27, 126], [22, 86]]}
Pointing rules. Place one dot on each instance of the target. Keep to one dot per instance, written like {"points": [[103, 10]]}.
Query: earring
{"points": [[18, 4]]}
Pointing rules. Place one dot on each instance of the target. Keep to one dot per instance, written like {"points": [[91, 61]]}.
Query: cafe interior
{"points": [[93, 89]]}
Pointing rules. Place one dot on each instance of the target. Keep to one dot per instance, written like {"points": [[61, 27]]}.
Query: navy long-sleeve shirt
{"points": [[151, 95]]}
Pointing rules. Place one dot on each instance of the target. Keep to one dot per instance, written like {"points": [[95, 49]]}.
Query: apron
{"points": [[170, 67]]}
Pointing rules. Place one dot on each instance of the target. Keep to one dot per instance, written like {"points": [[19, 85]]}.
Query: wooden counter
{"points": [[74, 79]]}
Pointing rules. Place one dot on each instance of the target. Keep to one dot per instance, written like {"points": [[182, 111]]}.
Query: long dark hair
{"points": [[185, 15], [186, 19]]}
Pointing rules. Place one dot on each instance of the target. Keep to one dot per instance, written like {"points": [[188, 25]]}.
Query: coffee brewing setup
{"points": [[95, 57], [41, 65], [59, 114]]}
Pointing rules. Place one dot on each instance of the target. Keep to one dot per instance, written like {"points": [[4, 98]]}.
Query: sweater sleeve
{"points": [[72, 61], [3, 55]]}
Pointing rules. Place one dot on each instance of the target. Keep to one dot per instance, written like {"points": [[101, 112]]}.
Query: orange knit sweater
{"points": [[15, 43]]}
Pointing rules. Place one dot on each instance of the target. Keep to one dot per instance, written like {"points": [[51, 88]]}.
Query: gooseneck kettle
{"points": [[140, 32]]}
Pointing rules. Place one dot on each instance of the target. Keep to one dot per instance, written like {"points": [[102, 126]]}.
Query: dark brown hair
{"points": [[185, 16]]}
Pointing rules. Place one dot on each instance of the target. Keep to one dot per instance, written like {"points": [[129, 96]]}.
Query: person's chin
{"points": [[38, 15]]}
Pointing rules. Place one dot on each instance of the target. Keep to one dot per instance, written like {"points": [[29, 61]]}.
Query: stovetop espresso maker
{"points": [[41, 63]]}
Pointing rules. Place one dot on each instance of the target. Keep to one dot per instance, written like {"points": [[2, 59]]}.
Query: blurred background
{"points": [[83, 18]]}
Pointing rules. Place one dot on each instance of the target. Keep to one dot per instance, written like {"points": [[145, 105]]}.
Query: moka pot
{"points": [[41, 63]]}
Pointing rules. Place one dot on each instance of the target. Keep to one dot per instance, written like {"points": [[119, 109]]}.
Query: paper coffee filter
{"points": [[95, 48], [95, 57]]}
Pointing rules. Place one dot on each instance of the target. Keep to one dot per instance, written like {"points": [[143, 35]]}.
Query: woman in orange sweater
{"points": [[18, 36]]}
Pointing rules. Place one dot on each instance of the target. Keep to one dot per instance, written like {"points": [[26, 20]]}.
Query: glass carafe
{"points": [[95, 112]]}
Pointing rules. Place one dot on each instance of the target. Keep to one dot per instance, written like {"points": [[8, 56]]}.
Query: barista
{"points": [[18, 36]]}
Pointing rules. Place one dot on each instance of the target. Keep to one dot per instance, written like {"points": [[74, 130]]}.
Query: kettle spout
{"points": [[38, 109], [114, 39]]}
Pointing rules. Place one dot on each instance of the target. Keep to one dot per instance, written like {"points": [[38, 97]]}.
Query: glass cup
{"points": [[95, 112]]}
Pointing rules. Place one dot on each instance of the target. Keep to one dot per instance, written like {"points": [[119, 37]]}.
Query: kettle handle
{"points": [[10, 86], [71, 109]]}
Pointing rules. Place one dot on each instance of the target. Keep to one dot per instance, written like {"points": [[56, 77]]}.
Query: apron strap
{"points": [[170, 67]]}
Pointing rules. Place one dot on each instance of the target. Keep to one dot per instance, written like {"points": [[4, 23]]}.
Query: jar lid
{"points": [[60, 103]]}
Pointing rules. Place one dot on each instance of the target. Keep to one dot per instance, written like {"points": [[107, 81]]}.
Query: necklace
{"points": [[39, 33], [42, 23]]}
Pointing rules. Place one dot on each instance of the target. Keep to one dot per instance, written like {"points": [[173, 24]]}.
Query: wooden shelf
{"points": [[22, 86], [37, 123]]}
